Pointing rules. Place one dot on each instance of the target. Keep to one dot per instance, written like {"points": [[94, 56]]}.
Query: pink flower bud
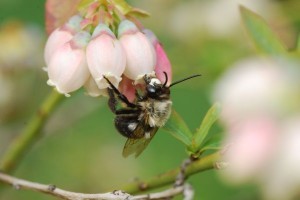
{"points": [[162, 62], [61, 35], [140, 53], [105, 56], [92, 88], [67, 68], [127, 88]]}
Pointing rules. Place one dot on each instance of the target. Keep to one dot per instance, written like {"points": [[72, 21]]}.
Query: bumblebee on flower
{"points": [[101, 42]]}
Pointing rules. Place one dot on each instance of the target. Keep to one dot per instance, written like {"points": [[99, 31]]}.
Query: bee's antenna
{"points": [[196, 75], [166, 75]]}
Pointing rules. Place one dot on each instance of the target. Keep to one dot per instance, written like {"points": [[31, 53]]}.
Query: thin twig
{"points": [[205, 163], [169, 193], [24, 141], [188, 192], [67, 195], [182, 176]]}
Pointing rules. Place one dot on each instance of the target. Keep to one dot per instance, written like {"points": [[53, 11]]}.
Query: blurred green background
{"points": [[80, 150]]}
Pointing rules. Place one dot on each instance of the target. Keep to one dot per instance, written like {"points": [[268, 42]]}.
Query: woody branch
{"points": [[68, 195]]}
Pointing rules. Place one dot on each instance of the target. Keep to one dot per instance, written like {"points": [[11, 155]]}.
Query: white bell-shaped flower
{"points": [[61, 35], [105, 57], [92, 88], [68, 69], [140, 53]]}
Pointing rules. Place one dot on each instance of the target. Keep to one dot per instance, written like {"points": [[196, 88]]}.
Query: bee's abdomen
{"points": [[126, 125]]}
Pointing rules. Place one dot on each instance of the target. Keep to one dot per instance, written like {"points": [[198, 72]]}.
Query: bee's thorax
{"points": [[156, 112]]}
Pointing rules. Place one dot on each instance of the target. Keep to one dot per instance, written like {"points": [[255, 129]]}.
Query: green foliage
{"points": [[126, 9], [123, 6], [213, 143], [200, 141], [262, 35], [84, 4], [266, 40], [138, 13], [298, 43], [202, 133], [178, 128]]}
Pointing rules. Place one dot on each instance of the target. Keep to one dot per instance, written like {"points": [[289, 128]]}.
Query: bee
{"points": [[139, 121]]}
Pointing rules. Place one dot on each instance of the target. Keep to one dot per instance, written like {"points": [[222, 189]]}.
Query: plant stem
{"points": [[31, 132], [69, 195], [205, 163]]}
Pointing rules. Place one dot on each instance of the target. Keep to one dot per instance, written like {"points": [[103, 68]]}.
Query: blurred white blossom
{"points": [[256, 86], [21, 51], [259, 99], [215, 17], [6, 94], [281, 180], [21, 45]]}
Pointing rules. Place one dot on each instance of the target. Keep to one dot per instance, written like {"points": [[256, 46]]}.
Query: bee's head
{"points": [[155, 89]]}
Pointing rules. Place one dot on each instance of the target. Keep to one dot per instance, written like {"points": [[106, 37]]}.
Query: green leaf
{"points": [[85, 3], [264, 38], [136, 12], [123, 6], [298, 43], [213, 143], [178, 128], [201, 133]]}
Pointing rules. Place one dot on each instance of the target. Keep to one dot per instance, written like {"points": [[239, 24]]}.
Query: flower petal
{"points": [[92, 88], [105, 57], [61, 35], [140, 53], [127, 88], [68, 69], [162, 61]]}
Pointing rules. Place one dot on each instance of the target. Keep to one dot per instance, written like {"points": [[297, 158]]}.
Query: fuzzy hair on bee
{"points": [[139, 121]]}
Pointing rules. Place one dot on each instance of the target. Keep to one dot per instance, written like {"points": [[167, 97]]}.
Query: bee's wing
{"points": [[137, 146]]}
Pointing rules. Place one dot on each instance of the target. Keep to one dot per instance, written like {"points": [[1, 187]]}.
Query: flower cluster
{"points": [[92, 45]]}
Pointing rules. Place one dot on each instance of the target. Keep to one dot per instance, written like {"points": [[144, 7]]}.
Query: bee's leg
{"points": [[121, 96], [127, 112], [112, 102]]}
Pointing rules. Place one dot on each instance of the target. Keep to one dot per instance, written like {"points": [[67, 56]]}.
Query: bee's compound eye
{"points": [[151, 89]]}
